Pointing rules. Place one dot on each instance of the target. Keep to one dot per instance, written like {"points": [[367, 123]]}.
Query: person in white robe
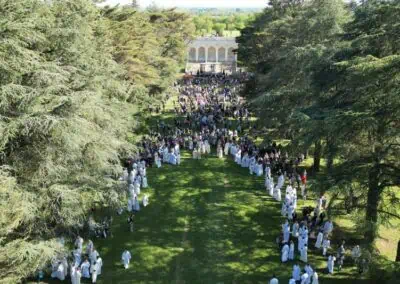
{"points": [[178, 159], [234, 149], [285, 253], [290, 211], [328, 227], [85, 268], [60, 274], [304, 254], [65, 264], [79, 242], [284, 209], [78, 276], [291, 250], [136, 187], [315, 278], [203, 147], [131, 177], [208, 147], [259, 169], [309, 271], [77, 253], [144, 182], [93, 256], [145, 200], [136, 204], [72, 273], [292, 281], [285, 225], [296, 273], [126, 258], [245, 161], [269, 185], [94, 272], [268, 172], [99, 262], [157, 160], [300, 244], [252, 163], [274, 280], [238, 157], [286, 234], [320, 238], [89, 247], [277, 194], [304, 278], [220, 153], [195, 155], [172, 158], [227, 148], [326, 244], [331, 263], [356, 253], [166, 155], [295, 229], [281, 181]]}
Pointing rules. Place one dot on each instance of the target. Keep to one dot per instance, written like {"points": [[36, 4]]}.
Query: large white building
{"points": [[212, 54]]}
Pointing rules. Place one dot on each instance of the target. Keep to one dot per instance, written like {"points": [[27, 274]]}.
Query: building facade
{"points": [[212, 55]]}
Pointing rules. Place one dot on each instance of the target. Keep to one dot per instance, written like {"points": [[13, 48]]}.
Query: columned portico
{"points": [[212, 54]]}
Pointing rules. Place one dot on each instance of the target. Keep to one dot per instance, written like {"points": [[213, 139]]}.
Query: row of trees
{"points": [[71, 77], [326, 76], [220, 24]]}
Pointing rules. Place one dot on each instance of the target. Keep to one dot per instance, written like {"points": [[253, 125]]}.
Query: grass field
{"points": [[208, 221]]}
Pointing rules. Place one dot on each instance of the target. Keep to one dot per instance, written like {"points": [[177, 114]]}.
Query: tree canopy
{"points": [[71, 78], [326, 77]]}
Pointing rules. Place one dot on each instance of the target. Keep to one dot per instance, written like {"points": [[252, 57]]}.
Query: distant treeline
{"points": [[222, 24]]}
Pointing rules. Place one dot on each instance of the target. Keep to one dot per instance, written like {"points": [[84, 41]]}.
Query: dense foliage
{"points": [[71, 77], [327, 76], [221, 25]]}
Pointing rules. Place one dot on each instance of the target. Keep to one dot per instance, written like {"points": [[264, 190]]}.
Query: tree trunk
{"points": [[330, 147], [373, 199], [398, 252], [317, 156]]}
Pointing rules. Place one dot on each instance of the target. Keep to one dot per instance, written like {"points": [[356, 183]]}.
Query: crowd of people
{"points": [[210, 113], [83, 263]]}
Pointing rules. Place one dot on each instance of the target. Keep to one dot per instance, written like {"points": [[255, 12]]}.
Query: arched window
{"points": [[192, 55], [231, 55], [212, 54], [221, 54], [202, 54]]}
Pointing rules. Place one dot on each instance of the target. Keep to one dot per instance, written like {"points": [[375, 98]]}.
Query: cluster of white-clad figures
{"points": [[89, 268], [203, 148], [289, 205], [169, 155], [136, 179]]}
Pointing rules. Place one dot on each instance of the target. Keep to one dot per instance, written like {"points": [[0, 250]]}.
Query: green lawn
{"points": [[208, 221]]}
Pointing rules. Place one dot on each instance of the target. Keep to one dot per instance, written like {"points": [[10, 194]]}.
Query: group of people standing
{"points": [[87, 264], [215, 116]]}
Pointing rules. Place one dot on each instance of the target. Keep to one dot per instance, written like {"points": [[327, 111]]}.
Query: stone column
{"points": [[206, 59], [216, 54], [197, 54], [226, 53]]}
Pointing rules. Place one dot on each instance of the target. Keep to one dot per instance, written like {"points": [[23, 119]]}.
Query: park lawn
{"points": [[208, 221]]}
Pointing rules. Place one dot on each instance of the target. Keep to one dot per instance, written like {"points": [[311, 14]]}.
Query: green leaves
{"points": [[325, 74], [70, 82]]}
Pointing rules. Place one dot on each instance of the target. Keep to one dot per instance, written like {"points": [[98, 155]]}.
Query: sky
{"points": [[197, 3]]}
